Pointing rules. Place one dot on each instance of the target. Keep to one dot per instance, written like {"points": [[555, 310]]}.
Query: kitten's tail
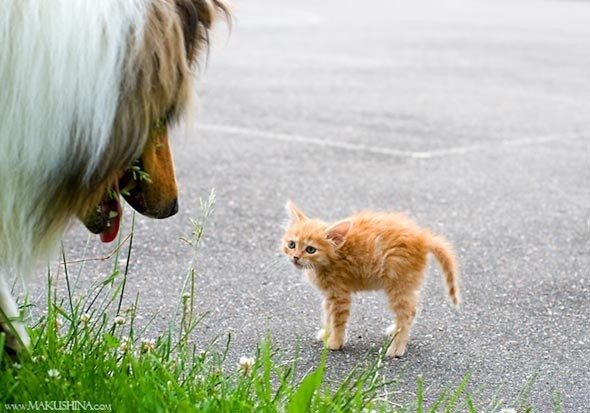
{"points": [[442, 249]]}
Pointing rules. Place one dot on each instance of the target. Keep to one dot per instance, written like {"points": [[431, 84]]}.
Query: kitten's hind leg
{"points": [[324, 332], [403, 304], [339, 305]]}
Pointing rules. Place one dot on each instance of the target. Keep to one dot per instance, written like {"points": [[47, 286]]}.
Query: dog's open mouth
{"points": [[111, 210], [106, 219]]}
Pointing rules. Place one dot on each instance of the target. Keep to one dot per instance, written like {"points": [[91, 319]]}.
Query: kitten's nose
{"points": [[295, 259]]}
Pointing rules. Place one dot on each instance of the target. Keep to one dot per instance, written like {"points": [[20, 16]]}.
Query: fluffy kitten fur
{"points": [[367, 251]]}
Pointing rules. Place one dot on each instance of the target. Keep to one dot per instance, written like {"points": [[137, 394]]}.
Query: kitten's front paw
{"points": [[322, 334], [391, 331], [397, 348], [335, 343]]}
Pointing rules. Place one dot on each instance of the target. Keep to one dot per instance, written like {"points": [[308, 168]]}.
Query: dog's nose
{"points": [[174, 207]]}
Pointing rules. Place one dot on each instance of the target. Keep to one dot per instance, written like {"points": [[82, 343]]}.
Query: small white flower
{"points": [[508, 410], [53, 373], [200, 379], [17, 366], [125, 344], [148, 346], [246, 364], [85, 318], [120, 320]]}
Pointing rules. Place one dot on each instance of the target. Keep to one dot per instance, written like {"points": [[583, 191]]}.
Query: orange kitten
{"points": [[367, 251]]}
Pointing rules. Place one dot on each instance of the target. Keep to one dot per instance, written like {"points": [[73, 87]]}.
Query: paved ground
{"points": [[473, 117]]}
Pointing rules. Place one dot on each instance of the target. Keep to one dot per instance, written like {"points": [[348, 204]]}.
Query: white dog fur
{"points": [[79, 88]]}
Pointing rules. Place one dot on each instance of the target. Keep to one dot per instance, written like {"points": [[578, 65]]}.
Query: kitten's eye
{"points": [[310, 250], [291, 245]]}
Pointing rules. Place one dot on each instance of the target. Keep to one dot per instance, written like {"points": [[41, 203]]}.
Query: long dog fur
{"points": [[81, 84]]}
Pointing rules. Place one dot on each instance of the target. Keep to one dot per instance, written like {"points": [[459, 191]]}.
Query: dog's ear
{"points": [[196, 17], [189, 17]]}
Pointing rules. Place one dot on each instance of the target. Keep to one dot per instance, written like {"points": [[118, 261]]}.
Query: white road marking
{"points": [[269, 17], [458, 150]]}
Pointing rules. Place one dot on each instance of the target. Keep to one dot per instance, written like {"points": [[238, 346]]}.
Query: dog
{"points": [[87, 89]]}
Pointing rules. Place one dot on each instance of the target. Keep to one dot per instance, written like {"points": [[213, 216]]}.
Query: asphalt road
{"points": [[472, 117]]}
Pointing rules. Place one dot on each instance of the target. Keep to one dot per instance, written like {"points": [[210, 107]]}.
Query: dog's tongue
{"points": [[112, 209]]}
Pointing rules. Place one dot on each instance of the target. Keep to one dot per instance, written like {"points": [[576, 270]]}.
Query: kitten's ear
{"points": [[295, 213], [338, 232]]}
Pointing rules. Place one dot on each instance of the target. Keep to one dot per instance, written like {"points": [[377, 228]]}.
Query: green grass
{"points": [[89, 352]]}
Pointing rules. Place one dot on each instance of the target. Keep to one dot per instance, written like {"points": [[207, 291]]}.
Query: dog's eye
{"points": [[310, 250], [291, 245]]}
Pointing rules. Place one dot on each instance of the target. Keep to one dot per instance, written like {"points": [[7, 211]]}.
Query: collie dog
{"points": [[87, 91]]}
